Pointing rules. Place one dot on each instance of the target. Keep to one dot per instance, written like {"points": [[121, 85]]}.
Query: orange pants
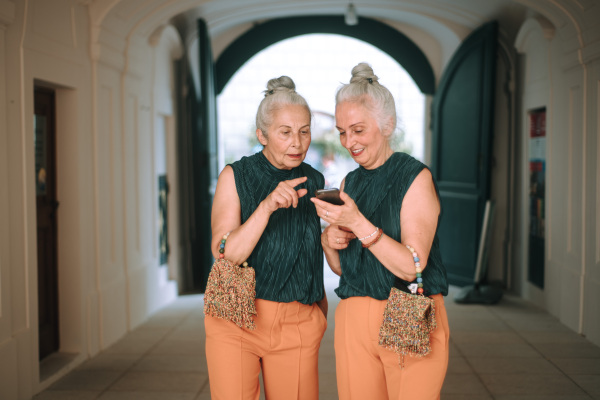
{"points": [[285, 344], [366, 370]]}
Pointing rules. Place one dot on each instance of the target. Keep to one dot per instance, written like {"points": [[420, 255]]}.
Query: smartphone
{"points": [[329, 195]]}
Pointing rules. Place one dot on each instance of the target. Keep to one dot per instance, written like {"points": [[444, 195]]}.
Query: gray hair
{"points": [[280, 93], [364, 88]]}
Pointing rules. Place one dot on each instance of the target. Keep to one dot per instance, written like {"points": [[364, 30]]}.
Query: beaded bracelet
{"points": [[417, 262], [368, 236], [222, 249], [366, 246]]}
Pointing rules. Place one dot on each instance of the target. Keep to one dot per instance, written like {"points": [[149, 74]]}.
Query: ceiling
{"points": [[438, 24]]}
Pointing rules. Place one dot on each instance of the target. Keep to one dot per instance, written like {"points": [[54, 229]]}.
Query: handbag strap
{"points": [[408, 287], [222, 249]]}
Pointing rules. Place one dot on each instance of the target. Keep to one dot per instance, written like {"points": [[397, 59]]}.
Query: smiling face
{"points": [[361, 136], [288, 137]]}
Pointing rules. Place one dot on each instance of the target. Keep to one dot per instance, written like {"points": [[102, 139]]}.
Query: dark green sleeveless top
{"points": [[379, 193], [288, 258]]}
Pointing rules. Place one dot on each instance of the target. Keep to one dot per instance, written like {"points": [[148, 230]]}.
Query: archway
{"points": [[389, 40]]}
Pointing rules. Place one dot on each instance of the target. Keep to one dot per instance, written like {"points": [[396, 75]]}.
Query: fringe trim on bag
{"points": [[230, 293], [408, 319]]}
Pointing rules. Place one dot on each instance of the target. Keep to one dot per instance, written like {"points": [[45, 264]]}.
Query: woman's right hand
{"points": [[336, 238], [285, 195]]}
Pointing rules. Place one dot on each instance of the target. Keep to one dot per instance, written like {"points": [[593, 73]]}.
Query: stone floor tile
{"points": [[520, 350], [173, 346], [459, 365], [536, 323], [530, 384], [513, 365], [110, 362], [160, 382], [463, 384], [589, 383], [461, 324], [172, 363], [542, 397], [470, 337], [67, 395], [579, 366], [568, 350], [87, 380], [138, 343], [147, 396], [327, 383], [552, 337]]}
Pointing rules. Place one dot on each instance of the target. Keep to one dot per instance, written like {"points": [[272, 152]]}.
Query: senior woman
{"points": [[261, 202], [391, 202]]}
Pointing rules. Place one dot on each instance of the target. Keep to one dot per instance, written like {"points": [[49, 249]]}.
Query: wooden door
{"points": [[47, 229], [462, 122]]}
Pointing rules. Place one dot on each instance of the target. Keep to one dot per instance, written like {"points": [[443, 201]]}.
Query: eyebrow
{"points": [[354, 124], [287, 126]]}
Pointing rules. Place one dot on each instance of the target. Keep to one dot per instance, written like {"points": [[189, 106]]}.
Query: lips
{"points": [[357, 152], [295, 156]]}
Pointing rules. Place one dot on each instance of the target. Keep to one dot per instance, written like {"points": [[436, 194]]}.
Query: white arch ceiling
{"points": [[445, 21]]}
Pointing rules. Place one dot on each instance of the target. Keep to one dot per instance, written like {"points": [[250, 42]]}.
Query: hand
{"points": [[285, 194], [344, 216], [336, 238]]}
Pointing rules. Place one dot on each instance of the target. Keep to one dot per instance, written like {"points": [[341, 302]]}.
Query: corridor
{"points": [[508, 351]]}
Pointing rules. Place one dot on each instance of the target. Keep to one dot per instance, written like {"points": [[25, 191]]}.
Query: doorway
{"points": [[47, 225]]}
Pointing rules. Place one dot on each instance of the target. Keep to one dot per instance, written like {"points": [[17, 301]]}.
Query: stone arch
{"points": [[386, 38]]}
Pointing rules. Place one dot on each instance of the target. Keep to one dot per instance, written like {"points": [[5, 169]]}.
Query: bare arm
{"points": [[226, 215], [418, 222]]}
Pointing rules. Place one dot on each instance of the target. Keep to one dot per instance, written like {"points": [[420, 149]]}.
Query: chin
{"points": [[294, 164]]}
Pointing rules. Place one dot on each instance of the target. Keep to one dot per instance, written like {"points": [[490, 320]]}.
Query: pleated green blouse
{"points": [[288, 258], [379, 193]]}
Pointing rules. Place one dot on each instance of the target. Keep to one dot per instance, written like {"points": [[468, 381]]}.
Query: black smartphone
{"points": [[329, 195]]}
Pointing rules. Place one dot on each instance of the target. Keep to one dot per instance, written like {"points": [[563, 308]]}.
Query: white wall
{"points": [[561, 71], [109, 277]]}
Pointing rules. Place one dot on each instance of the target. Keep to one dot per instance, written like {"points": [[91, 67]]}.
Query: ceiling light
{"points": [[350, 17]]}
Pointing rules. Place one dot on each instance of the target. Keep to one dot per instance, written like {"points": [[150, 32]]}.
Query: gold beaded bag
{"points": [[231, 291], [408, 320]]}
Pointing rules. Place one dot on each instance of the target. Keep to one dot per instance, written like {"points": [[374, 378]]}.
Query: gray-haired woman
{"points": [[392, 212], [262, 212]]}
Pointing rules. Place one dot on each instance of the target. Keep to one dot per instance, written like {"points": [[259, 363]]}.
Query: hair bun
{"points": [[281, 83], [363, 73]]}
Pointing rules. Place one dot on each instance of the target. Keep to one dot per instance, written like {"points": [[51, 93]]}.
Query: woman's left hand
{"points": [[345, 216]]}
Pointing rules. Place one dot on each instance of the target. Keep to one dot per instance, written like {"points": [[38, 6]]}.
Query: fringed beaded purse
{"points": [[408, 319], [231, 291]]}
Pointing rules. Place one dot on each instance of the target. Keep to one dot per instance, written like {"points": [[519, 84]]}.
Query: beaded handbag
{"points": [[231, 291], [408, 319]]}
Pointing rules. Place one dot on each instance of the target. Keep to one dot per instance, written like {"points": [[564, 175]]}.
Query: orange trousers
{"points": [[285, 344], [366, 370]]}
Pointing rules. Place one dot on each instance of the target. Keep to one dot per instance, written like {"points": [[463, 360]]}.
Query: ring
{"points": [[337, 240], [327, 214]]}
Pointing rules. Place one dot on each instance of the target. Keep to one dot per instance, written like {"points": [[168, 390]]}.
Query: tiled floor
{"points": [[508, 351]]}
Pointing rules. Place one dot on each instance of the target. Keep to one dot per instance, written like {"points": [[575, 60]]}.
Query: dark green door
{"points": [[462, 124]]}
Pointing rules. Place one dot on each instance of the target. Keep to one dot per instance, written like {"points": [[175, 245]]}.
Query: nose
{"points": [[296, 142], [348, 140]]}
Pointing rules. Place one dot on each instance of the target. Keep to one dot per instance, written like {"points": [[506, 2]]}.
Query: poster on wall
{"points": [[537, 195], [163, 239]]}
